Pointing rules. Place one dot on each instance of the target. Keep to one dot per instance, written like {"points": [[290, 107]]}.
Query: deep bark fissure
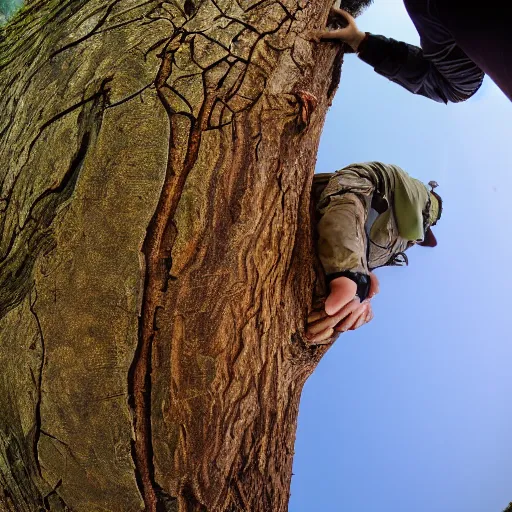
{"points": [[157, 248], [53, 492], [39, 385], [101, 22], [15, 272], [94, 97], [38, 423]]}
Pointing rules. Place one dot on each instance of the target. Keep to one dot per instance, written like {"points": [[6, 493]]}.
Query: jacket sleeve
{"points": [[447, 75], [342, 238], [342, 242]]}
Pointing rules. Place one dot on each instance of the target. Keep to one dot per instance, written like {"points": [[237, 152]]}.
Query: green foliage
{"points": [[509, 508], [8, 8]]}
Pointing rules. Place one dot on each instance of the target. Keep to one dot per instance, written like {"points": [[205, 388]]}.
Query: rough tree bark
{"points": [[156, 261]]}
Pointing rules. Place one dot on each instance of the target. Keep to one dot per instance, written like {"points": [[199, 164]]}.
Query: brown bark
{"points": [[156, 259]]}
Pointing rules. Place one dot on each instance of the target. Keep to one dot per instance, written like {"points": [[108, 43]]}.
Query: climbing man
{"points": [[460, 40], [368, 215]]}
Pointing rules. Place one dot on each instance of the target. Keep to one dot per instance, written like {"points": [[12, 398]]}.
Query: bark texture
{"points": [[156, 261]]}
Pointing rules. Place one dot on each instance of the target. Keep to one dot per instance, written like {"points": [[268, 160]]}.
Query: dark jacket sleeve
{"points": [[453, 77]]}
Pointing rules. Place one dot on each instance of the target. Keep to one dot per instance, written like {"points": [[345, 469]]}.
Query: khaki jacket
{"points": [[368, 215]]}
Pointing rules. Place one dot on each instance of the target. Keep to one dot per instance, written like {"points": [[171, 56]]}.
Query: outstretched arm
{"points": [[342, 251], [444, 73]]}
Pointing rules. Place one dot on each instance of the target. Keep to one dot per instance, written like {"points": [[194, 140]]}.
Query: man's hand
{"points": [[343, 290], [353, 315], [349, 34], [346, 311]]}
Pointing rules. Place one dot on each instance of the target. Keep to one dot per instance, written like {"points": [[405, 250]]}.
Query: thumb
{"points": [[343, 291], [341, 15]]}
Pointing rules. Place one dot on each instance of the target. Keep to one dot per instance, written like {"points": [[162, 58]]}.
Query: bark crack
{"points": [[100, 23], [38, 423], [38, 383], [157, 252], [17, 264]]}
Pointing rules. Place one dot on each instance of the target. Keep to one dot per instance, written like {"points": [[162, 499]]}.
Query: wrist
{"points": [[362, 281], [347, 282], [356, 41]]}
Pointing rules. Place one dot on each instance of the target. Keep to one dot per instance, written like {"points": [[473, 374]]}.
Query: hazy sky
{"points": [[412, 412]]}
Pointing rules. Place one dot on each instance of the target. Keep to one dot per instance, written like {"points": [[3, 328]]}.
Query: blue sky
{"points": [[412, 412]]}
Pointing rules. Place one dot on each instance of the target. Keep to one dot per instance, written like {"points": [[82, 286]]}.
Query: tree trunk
{"points": [[156, 257]]}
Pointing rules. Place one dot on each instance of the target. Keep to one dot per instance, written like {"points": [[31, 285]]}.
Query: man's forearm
{"points": [[380, 51], [404, 64], [342, 239], [356, 41], [444, 80]]}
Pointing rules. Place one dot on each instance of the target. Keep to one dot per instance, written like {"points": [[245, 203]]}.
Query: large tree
{"points": [[156, 255]]}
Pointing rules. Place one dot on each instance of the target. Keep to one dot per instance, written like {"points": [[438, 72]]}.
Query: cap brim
{"points": [[429, 240]]}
